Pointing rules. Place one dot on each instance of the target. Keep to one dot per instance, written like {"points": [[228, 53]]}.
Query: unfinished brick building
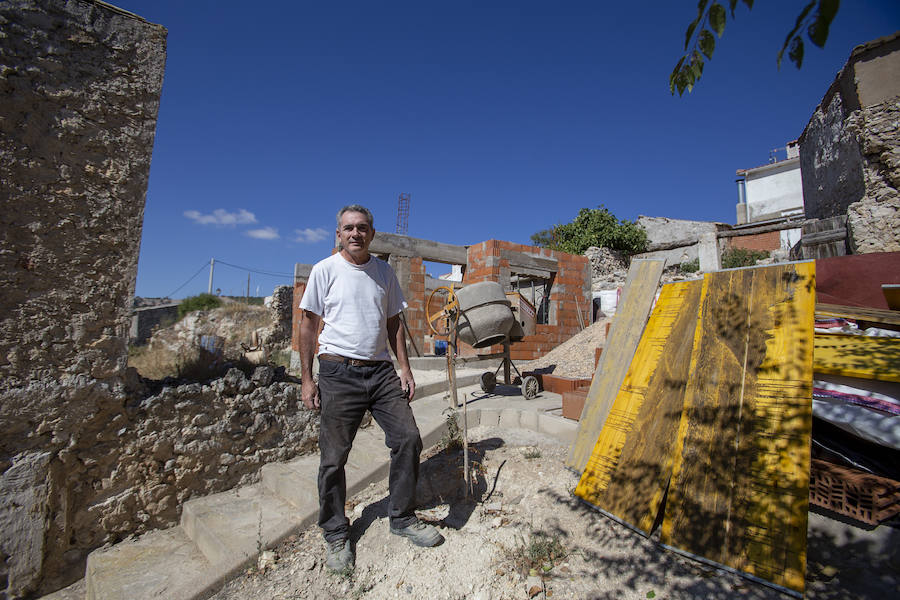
{"points": [[555, 285]]}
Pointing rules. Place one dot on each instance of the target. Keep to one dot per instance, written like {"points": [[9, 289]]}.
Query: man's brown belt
{"points": [[353, 362]]}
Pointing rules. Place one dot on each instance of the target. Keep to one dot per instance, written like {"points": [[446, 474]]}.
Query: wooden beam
{"points": [[875, 315], [402, 245], [521, 260], [625, 333]]}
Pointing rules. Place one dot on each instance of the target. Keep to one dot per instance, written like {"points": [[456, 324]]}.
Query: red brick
{"points": [[573, 404]]}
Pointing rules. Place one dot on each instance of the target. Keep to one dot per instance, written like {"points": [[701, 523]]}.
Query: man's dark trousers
{"points": [[345, 393]]}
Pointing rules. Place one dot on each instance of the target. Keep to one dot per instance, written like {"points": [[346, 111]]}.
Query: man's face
{"points": [[355, 233]]}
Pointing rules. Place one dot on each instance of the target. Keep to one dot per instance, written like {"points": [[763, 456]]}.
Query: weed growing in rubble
{"points": [[532, 453], [539, 554], [691, 266], [452, 439]]}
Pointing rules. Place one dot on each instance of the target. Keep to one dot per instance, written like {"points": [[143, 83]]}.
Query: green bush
{"points": [[198, 302], [741, 257], [691, 266], [593, 227]]}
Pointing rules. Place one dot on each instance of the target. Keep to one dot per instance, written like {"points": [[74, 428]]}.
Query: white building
{"points": [[772, 193]]}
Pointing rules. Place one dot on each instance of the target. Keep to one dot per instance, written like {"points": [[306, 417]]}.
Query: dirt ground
{"points": [[522, 535]]}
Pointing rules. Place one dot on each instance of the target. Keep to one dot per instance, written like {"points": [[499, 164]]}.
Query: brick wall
{"points": [[758, 241], [571, 288]]}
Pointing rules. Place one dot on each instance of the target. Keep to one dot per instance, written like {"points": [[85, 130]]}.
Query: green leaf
{"points": [[674, 75], [796, 51], [818, 30], [651, 594], [731, 6], [680, 82], [690, 32], [717, 18], [707, 43], [794, 31], [700, 7]]}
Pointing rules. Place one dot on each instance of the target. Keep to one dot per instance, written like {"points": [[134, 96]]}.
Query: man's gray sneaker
{"points": [[340, 556], [420, 534]]}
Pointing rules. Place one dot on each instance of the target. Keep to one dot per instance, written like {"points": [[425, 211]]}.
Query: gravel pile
{"points": [[574, 357]]}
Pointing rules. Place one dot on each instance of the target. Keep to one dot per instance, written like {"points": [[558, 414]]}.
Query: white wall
{"points": [[775, 188]]}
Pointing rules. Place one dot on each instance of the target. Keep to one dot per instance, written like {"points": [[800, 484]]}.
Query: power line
{"points": [[200, 270], [257, 271]]}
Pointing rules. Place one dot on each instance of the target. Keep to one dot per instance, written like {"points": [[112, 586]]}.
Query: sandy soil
{"points": [[522, 502]]}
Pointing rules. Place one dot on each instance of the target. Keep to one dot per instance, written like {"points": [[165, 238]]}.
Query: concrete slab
{"points": [[509, 418], [490, 417], [159, 564], [559, 427], [295, 483], [230, 528]]}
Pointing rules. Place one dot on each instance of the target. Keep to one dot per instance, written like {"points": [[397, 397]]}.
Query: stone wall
{"points": [[146, 319], [677, 237], [850, 150], [874, 221], [80, 83]]}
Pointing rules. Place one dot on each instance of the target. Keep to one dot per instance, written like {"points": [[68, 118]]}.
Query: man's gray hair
{"points": [[356, 208]]}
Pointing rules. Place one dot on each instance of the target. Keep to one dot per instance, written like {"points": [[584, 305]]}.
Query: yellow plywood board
{"points": [[857, 356], [740, 482], [624, 334], [629, 469]]}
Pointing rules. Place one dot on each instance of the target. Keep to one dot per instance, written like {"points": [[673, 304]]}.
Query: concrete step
{"points": [[232, 527], [222, 533], [294, 482], [159, 564]]}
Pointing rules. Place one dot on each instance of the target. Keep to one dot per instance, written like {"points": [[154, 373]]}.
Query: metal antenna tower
{"points": [[403, 214]]}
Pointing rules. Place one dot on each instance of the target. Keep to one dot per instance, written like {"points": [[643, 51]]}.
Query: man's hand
{"points": [[310, 394], [408, 384]]}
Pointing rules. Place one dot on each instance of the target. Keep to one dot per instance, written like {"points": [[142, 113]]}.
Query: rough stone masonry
{"points": [[90, 452], [80, 83]]}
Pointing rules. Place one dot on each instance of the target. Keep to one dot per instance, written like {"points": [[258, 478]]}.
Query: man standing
{"points": [[358, 298]]}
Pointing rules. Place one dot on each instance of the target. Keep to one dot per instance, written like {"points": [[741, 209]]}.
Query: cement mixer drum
{"points": [[485, 314]]}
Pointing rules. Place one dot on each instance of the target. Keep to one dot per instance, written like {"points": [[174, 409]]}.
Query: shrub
{"points": [[691, 266], [741, 257], [198, 302], [593, 227]]}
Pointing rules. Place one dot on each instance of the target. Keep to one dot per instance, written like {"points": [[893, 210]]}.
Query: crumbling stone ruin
{"points": [[850, 150], [90, 453]]}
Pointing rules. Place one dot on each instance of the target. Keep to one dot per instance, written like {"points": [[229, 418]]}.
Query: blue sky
{"points": [[500, 118]]}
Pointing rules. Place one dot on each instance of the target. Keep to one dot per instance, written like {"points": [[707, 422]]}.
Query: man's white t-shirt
{"points": [[354, 302]]}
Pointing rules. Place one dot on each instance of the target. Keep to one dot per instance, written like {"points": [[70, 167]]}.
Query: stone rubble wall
{"points": [[850, 149], [874, 221], [281, 309], [80, 83]]}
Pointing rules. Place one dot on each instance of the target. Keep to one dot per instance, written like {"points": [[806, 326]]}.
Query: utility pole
{"points": [[212, 264], [248, 288]]}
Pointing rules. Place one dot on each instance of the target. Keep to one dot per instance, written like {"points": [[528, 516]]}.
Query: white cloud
{"points": [[266, 233], [220, 216], [311, 236]]}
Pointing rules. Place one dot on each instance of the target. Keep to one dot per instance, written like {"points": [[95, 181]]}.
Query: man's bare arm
{"points": [[309, 330], [397, 340]]}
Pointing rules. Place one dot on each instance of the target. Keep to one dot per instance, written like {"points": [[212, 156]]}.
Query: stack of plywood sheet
{"points": [[714, 410]]}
